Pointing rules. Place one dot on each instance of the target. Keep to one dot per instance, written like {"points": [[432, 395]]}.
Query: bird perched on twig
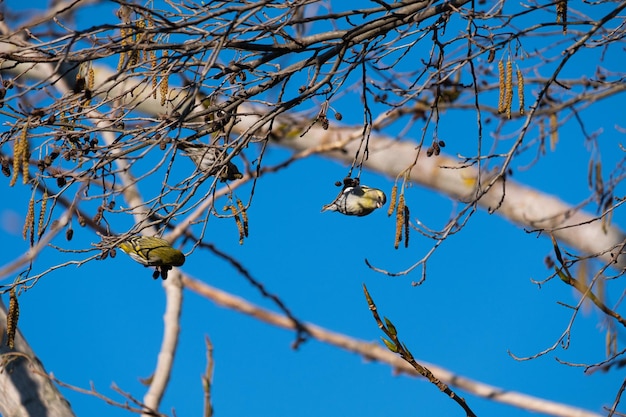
{"points": [[357, 200], [210, 159]]}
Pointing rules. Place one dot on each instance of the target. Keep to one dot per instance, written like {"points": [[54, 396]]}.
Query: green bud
{"points": [[390, 327], [390, 345]]}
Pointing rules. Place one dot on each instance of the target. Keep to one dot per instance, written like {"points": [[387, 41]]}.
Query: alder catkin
{"points": [[123, 42], [164, 88], [520, 91], [392, 202], [29, 222], [17, 160], [554, 131], [244, 216], [508, 91], [407, 218], [561, 14], [91, 78], [501, 84], [399, 221], [155, 81], [238, 221], [42, 214], [12, 317]]}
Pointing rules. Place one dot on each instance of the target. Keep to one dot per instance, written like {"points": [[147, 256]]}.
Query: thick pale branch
{"points": [[525, 206], [374, 351]]}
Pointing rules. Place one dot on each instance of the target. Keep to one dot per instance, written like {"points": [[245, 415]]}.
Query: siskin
{"points": [[209, 159], [357, 200], [153, 251]]}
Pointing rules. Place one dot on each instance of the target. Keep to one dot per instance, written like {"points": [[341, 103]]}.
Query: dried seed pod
{"points": [[54, 154], [97, 218], [436, 148], [324, 121]]}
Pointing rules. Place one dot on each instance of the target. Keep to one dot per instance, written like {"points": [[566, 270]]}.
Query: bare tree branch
{"points": [[373, 351]]}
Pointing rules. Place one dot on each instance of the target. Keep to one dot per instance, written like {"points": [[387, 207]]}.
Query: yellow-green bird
{"points": [[152, 251], [357, 200]]}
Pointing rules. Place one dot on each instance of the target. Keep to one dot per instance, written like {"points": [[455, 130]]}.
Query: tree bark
{"points": [[25, 389]]}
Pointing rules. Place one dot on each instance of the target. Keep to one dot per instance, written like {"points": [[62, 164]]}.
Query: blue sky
{"points": [[101, 323]]}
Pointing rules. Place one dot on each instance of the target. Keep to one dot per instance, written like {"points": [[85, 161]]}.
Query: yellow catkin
{"points": [[139, 41], [42, 214], [407, 217], [17, 159], [91, 78], [244, 216], [124, 42], [520, 90], [238, 221], [392, 202], [25, 161], [164, 89], [29, 222], [508, 88], [399, 221], [12, 317], [561, 14], [135, 40], [501, 84], [155, 81], [554, 131]]}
